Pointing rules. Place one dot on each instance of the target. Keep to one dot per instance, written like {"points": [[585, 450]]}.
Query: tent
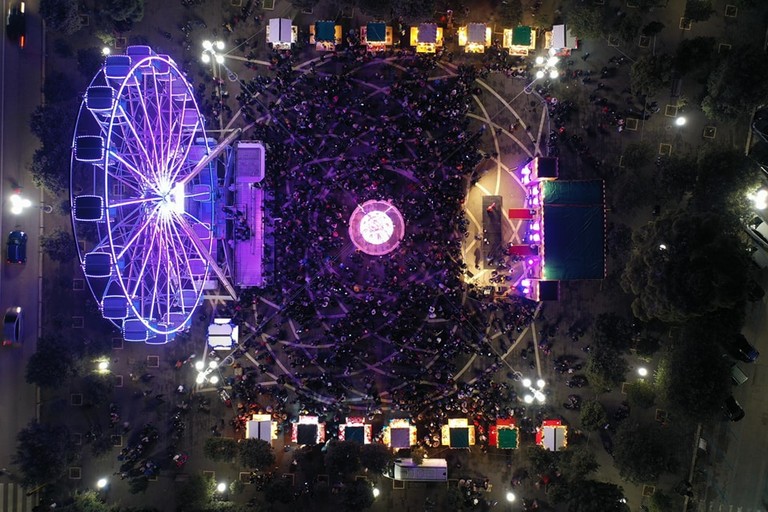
{"points": [[308, 430], [280, 33], [261, 426], [356, 429], [399, 433], [458, 433], [552, 435], [504, 434]]}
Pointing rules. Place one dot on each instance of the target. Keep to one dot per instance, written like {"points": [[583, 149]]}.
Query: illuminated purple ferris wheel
{"points": [[143, 185]]}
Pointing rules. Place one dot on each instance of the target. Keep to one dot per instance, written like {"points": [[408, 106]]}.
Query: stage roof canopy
{"points": [[574, 230]]}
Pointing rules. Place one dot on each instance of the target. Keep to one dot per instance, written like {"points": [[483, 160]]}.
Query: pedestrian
{"points": [[585, 56]]}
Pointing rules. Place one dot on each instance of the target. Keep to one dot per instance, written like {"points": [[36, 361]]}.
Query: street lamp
{"points": [[510, 496], [204, 374], [106, 51], [376, 492], [536, 393], [221, 487], [101, 483], [680, 121], [102, 366], [19, 204], [759, 199], [642, 372]]}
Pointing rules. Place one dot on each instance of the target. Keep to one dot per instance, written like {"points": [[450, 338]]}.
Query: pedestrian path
{"points": [[13, 498]]}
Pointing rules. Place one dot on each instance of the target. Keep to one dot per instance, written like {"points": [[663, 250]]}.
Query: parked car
{"points": [[12, 326], [742, 349], [733, 409], [17, 247], [16, 23]]}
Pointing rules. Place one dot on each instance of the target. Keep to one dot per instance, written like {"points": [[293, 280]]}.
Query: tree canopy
{"points": [[61, 15], [43, 453], [52, 364], [342, 457], [697, 378], [222, 449], [694, 54], [593, 415], [586, 21], [641, 453], [737, 85], [256, 453], [59, 245], [375, 457], [685, 265], [414, 11], [605, 367], [650, 73], [698, 10], [594, 496]]}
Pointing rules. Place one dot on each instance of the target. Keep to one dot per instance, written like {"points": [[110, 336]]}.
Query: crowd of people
{"points": [[371, 333]]}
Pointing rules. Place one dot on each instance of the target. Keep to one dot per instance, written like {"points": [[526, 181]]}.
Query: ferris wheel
{"points": [[143, 187]]}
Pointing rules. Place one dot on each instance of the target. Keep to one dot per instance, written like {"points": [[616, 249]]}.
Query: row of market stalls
{"points": [[457, 433], [425, 38]]}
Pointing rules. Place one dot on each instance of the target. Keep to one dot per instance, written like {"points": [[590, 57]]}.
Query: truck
{"points": [[430, 470]]}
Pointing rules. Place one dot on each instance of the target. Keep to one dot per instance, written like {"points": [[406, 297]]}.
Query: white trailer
{"points": [[430, 470]]}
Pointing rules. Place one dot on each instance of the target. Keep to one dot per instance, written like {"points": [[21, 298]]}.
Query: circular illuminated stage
{"points": [[376, 227]]}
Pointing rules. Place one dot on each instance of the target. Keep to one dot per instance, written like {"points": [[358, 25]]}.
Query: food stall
{"points": [[356, 429], [458, 433], [427, 37], [399, 433], [504, 434], [552, 435], [519, 41], [475, 37], [307, 430], [325, 35], [281, 34], [377, 36]]}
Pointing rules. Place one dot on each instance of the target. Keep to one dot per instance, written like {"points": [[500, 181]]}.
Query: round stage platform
{"points": [[376, 227]]}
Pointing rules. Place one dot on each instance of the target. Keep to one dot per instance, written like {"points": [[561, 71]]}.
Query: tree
{"points": [[256, 453], [375, 457], [89, 61], [586, 21], [593, 496], [593, 415], [43, 453], [59, 246], [414, 11], [605, 367], [220, 449], [342, 457], [676, 177], [612, 330], [650, 73], [279, 490], [97, 389], [694, 54], [510, 13], [123, 11], [698, 10], [52, 364], [576, 463], [375, 8], [637, 155], [195, 493], [418, 453], [652, 28], [60, 15], [357, 495], [737, 85], [627, 28], [698, 377], [50, 163], [87, 501], [714, 191], [641, 393], [686, 265], [304, 5], [640, 452], [58, 87], [541, 460], [663, 502]]}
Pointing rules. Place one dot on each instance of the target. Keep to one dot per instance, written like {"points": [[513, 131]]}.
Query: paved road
{"points": [[737, 479], [21, 79]]}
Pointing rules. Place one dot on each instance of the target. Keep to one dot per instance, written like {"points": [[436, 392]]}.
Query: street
{"points": [[21, 72]]}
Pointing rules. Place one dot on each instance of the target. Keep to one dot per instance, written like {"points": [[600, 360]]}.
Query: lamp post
{"points": [[204, 372], [535, 393], [20, 203], [547, 67]]}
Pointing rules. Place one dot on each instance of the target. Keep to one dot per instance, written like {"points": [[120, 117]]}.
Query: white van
{"points": [[430, 470]]}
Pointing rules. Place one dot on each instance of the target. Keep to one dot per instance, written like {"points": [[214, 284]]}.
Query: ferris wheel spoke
{"points": [[135, 139], [132, 169]]}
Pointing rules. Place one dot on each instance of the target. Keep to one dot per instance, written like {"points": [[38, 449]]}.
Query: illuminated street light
{"points": [[101, 483], [680, 121], [102, 366], [510, 496], [759, 199], [536, 393], [643, 372], [221, 487], [106, 51], [199, 365], [19, 204], [376, 492]]}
